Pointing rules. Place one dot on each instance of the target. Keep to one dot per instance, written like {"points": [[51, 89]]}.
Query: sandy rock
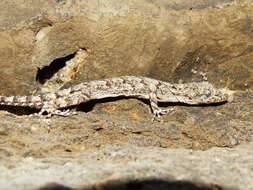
{"points": [[112, 144]]}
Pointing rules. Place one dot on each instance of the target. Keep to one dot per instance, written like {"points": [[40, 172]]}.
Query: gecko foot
{"points": [[159, 112]]}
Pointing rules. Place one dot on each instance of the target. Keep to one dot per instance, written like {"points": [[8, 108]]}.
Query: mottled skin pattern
{"points": [[125, 86]]}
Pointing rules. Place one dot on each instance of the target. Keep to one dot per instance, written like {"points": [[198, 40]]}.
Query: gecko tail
{"points": [[33, 101]]}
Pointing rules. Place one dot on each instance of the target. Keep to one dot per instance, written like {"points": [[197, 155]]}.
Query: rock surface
{"points": [[112, 143], [131, 167]]}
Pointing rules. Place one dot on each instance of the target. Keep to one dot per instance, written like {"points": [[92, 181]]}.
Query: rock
{"points": [[164, 40], [131, 167], [112, 143]]}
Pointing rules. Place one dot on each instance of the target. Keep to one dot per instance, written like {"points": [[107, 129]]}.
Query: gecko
{"points": [[155, 91]]}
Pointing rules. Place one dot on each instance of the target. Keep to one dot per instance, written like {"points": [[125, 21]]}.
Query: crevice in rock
{"points": [[48, 72]]}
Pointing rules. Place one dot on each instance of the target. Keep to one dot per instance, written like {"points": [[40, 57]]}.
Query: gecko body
{"points": [[125, 86]]}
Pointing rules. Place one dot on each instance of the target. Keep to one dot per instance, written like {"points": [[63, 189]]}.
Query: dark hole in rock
{"points": [[48, 71]]}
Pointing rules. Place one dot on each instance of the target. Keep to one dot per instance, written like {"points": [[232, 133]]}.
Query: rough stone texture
{"points": [[165, 40], [131, 167], [112, 143]]}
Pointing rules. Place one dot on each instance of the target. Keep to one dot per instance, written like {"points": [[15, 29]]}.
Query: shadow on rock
{"points": [[151, 184]]}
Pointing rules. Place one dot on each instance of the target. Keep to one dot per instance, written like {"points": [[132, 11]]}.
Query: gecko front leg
{"points": [[157, 112]]}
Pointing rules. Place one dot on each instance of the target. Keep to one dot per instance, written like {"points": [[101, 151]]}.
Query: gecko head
{"points": [[206, 93]]}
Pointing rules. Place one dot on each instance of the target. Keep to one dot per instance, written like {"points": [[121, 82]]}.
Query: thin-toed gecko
{"points": [[125, 86]]}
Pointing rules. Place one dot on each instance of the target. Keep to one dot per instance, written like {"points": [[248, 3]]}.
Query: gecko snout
{"points": [[230, 94]]}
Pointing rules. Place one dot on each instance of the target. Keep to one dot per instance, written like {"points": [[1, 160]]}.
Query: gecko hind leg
{"points": [[53, 111], [40, 114], [64, 113]]}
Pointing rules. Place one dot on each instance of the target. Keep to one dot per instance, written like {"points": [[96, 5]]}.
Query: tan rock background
{"points": [[175, 41]]}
